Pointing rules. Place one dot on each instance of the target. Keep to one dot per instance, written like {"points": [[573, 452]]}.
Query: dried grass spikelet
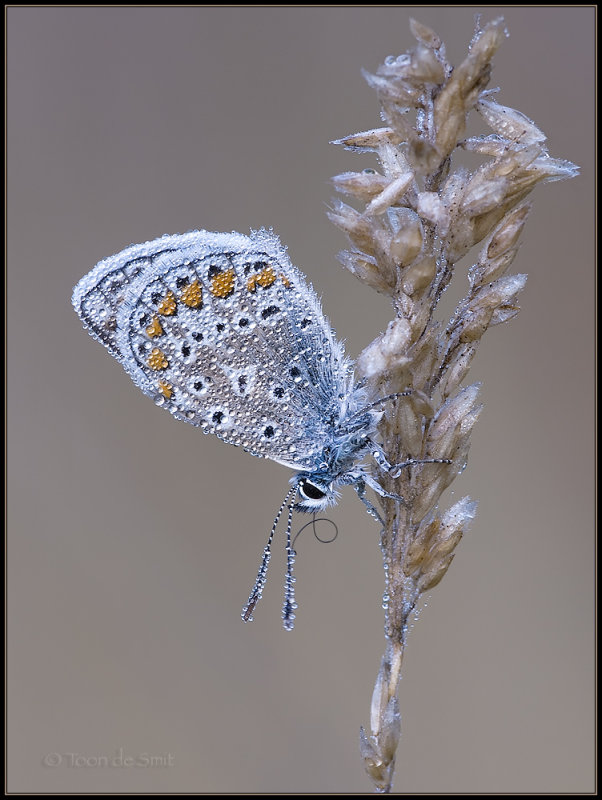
{"points": [[388, 351], [417, 215], [378, 749], [362, 185], [408, 239], [389, 196], [431, 551]]}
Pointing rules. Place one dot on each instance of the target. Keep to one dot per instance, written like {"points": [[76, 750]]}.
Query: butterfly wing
{"points": [[224, 332], [99, 294]]}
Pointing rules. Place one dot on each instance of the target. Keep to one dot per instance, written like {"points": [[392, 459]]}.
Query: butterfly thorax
{"points": [[340, 462]]}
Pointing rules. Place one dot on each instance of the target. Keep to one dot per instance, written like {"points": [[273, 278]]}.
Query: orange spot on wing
{"points": [[165, 389], [154, 329], [192, 295], [157, 359], [222, 284], [266, 277]]}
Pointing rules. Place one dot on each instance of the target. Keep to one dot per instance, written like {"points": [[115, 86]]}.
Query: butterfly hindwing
{"points": [[223, 331]]}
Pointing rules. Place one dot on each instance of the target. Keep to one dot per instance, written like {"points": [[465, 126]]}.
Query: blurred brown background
{"points": [[133, 540]]}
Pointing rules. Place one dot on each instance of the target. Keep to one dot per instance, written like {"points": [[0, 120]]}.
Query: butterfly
{"points": [[221, 330]]}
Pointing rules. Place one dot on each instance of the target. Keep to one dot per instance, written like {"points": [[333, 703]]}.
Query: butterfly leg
{"points": [[360, 488], [358, 479], [395, 469], [379, 489]]}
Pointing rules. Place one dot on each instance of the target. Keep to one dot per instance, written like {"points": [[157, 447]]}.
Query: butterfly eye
{"points": [[311, 491]]}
